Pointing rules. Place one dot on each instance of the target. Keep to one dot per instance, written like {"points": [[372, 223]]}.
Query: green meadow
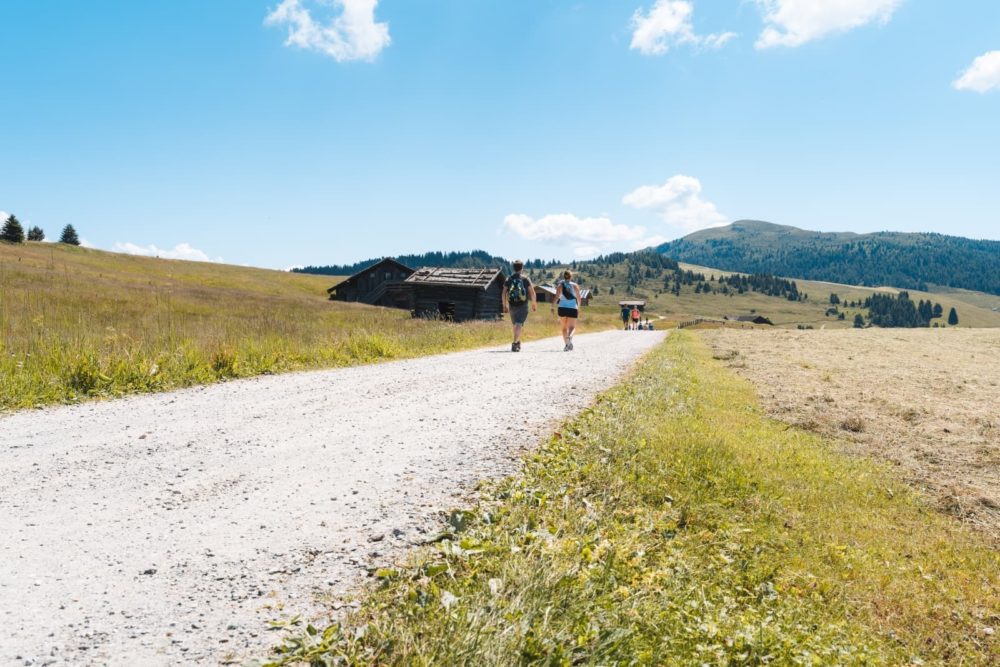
{"points": [[78, 324]]}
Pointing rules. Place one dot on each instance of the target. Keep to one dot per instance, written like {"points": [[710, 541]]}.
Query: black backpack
{"points": [[517, 293]]}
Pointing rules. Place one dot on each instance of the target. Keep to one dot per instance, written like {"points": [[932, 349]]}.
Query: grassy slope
{"points": [[78, 323], [673, 524]]}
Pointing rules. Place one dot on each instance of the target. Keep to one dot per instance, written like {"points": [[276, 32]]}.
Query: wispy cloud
{"points": [[180, 251], [353, 33], [983, 74], [586, 237], [795, 22], [679, 204], [668, 24]]}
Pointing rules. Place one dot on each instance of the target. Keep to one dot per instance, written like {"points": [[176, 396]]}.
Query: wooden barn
{"points": [[749, 319], [547, 294], [456, 294], [382, 284]]}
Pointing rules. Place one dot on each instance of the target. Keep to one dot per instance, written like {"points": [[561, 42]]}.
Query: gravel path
{"points": [[172, 528]]}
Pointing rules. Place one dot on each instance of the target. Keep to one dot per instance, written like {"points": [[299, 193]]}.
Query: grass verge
{"points": [[672, 523]]}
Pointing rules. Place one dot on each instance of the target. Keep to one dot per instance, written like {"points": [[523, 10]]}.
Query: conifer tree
{"points": [[12, 231], [952, 317], [938, 310], [36, 234], [69, 236], [859, 322]]}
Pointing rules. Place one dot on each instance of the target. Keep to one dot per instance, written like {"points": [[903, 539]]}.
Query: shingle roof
{"points": [[478, 278]]}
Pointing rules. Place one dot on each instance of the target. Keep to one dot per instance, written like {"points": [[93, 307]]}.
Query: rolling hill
{"points": [[907, 261]]}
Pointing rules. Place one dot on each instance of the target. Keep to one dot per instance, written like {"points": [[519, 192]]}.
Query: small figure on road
{"points": [[518, 292], [635, 317], [626, 314], [569, 307]]}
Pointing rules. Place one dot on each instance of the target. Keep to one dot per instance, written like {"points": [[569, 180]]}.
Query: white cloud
{"points": [[586, 237], [87, 244], [795, 22], [562, 227], [180, 251], [667, 24], [679, 203], [352, 35], [983, 74]]}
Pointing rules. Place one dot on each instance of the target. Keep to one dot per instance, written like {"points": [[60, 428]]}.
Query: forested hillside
{"points": [[908, 261]]}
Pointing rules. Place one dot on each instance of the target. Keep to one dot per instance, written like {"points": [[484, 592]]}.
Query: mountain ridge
{"points": [[902, 259]]}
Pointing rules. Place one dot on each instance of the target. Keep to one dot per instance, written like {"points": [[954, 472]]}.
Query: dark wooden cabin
{"points": [[381, 284], [750, 319], [456, 294], [547, 294]]}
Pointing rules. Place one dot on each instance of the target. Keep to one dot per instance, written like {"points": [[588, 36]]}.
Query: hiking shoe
{"points": [[513, 347], [566, 348], [518, 346]]}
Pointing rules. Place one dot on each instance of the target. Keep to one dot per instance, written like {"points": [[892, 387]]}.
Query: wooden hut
{"points": [[456, 294], [547, 294], [382, 284], [749, 319]]}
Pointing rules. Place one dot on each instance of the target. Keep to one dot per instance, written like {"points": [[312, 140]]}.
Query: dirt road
{"points": [[172, 528]]}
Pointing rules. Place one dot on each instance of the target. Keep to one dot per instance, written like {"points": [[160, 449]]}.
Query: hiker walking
{"points": [[568, 293], [635, 318], [517, 293], [626, 314]]}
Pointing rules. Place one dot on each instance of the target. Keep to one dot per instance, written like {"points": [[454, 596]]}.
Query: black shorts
{"points": [[568, 312]]}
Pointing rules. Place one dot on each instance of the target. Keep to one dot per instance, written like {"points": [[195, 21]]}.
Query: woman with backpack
{"points": [[569, 300]]}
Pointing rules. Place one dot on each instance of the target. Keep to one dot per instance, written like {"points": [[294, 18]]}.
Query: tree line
{"points": [[452, 260], [889, 310], [13, 232], [908, 261]]}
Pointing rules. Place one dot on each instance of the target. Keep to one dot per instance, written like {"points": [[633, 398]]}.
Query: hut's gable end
{"points": [[374, 284]]}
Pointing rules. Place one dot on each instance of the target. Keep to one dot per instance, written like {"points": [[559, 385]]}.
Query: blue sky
{"points": [[286, 132]]}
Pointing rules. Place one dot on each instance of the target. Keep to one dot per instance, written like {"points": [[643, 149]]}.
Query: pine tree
{"points": [[859, 322], [952, 317], [12, 230], [69, 236], [36, 234], [938, 310]]}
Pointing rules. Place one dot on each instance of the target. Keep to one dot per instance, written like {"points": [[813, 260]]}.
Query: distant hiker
{"points": [[568, 293], [517, 293], [626, 314], [649, 326], [635, 317]]}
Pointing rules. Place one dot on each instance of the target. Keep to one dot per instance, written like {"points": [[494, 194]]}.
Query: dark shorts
{"points": [[569, 312], [519, 314]]}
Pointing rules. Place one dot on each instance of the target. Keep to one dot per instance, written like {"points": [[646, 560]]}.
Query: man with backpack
{"points": [[517, 293]]}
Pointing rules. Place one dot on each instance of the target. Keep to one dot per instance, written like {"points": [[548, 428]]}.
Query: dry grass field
{"points": [[926, 400]]}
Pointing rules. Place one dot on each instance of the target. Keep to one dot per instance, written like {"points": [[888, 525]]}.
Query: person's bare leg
{"points": [[517, 332]]}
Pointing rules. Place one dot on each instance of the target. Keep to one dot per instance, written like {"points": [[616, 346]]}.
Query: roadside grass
{"points": [[673, 524], [77, 324]]}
